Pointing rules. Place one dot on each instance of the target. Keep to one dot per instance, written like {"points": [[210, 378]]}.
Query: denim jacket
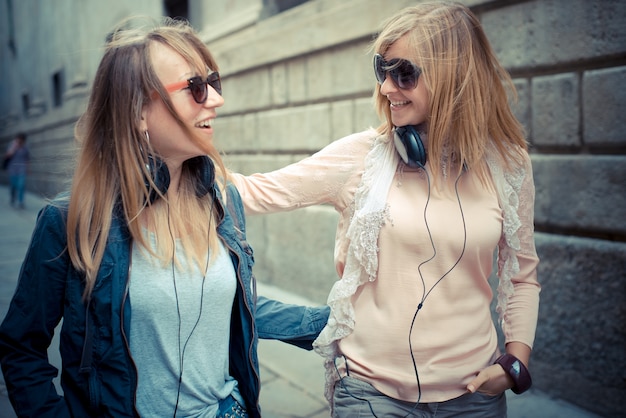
{"points": [[99, 377]]}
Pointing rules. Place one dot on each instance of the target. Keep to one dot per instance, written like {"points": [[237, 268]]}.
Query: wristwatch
{"points": [[518, 372]]}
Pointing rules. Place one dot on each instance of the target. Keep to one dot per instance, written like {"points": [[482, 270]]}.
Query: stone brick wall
{"points": [[301, 79]]}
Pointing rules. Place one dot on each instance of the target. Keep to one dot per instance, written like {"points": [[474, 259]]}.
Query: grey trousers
{"points": [[357, 399]]}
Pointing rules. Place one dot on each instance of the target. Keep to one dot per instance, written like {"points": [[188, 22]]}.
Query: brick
{"points": [[296, 80], [604, 106], [278, 76], [555, 110], [248, 91], [352, 71], [342, 122], [295, 128], [581, 193], [549, 32], [521, 109], [320, 75], [365, 114], [236, 133], [580, 340]]}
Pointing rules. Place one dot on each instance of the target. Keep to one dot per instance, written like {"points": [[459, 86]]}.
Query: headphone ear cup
{"points": [[160, 176], [204, 170], [410, 146]]}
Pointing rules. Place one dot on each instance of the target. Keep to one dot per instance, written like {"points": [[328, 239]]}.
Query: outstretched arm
{"points": [[294, 324], [319, 179]]}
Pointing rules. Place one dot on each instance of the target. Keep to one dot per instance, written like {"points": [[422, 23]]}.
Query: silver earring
{"points": [[147, 136]]}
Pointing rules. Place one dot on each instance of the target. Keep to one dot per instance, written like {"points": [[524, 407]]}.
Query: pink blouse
{"points": [[433, 247]]}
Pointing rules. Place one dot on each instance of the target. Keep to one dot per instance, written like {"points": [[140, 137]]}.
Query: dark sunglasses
{"points": [[404, 73], [198, 87]]}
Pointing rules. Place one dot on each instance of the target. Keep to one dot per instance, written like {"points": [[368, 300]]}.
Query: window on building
{"points": [[176, 8], [58, 88]]}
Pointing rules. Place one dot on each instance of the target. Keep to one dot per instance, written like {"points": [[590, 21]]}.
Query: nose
{"points": [[388, 86], [214, 99]]}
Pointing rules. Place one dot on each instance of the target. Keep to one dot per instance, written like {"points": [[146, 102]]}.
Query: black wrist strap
{"points": [[518, 372]]}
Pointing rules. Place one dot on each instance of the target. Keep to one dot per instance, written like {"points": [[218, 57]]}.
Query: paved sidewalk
{"points": [[292, 379]]}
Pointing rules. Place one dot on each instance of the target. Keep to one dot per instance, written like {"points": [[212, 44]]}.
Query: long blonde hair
{"points": [[112, 171], [468, 88]]}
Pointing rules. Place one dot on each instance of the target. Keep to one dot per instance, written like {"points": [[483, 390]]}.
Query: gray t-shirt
{"points": [[162, 343]]}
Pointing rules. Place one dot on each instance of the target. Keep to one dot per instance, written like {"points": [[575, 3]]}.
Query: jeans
{"points": [[18, 184], [230, 408], [356, 398]]}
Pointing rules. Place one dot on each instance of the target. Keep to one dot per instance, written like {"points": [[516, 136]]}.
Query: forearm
{"points": [[295, 324], [519, 350]]}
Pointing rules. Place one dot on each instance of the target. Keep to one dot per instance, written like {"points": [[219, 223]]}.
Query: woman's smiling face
{"points": [[166, 136], [408, 107]]}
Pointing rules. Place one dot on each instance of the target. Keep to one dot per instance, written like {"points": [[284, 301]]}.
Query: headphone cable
{"points": [[425, 295], [181, 354]]}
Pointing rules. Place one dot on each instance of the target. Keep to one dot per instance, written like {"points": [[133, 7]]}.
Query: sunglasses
{"points": [[198, 87], [404, 73]]}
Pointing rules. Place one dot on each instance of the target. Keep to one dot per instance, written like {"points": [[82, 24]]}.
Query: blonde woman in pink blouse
{"points": [[424, 201]]}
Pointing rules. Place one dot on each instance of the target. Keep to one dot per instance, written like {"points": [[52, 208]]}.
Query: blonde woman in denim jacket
{"points": [[145, 260]]}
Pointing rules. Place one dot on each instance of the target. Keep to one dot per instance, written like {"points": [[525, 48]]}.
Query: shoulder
{"points": [[516, 163], [49, 234], [56, 208]]}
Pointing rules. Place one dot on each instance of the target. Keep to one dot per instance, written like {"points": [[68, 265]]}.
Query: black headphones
{"points": [[202, 167], [410, 146]]}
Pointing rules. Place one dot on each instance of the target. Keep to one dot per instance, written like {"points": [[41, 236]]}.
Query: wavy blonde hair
{"points": [[111, 169], [469, 90]]}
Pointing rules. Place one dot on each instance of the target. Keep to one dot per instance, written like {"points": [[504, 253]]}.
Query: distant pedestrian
{"points": [[19, 157]]}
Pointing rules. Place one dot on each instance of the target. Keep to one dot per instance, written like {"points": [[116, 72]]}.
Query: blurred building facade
{"points": [[297, 75]]}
